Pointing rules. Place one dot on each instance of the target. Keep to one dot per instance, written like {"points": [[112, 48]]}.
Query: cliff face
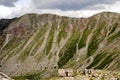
{"points": [[39, 44]]}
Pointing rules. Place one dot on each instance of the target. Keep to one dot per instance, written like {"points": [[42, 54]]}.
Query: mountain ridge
{"points": [[41, 44]]}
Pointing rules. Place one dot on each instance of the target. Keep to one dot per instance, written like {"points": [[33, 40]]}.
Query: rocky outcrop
{"points": [[90, 74]]}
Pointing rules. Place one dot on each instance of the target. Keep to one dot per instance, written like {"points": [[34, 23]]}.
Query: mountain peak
{"points": [[106, 13]]}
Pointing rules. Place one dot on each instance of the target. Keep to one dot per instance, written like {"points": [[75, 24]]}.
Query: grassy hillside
{"points": [[35, 46]]}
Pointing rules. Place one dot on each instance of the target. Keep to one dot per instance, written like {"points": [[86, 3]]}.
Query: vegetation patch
{"points": [[114, 36], [62, 33], [114, 28], [50, 41], [82, 41], [69, 50], [95, 40], [106, 61], [96, 60], [29, 77]]}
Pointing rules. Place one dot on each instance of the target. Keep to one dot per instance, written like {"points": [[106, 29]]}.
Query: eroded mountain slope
{"points": [[39, 44]]}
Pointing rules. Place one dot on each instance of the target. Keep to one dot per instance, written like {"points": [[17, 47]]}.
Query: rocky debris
{"points": [[4, 76], [89, 74], [99, 74], [65, 72]]}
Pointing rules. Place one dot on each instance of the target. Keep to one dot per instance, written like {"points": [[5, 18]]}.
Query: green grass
{"points": [[93, 45], [30, 77], [69, 50], [2, 39], [39, 43], [114, 36], [106, 57], [114, 28], [97, 59], [50, 41], [38, 38], [62, 33], [95, 40], [8, 48], [107, 61], [82, 42]]}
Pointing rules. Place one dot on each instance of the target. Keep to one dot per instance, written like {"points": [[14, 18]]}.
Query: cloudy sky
{"points": [[72, 8]]}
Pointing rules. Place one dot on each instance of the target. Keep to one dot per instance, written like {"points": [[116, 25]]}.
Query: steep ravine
{"points": [[35, 46]]}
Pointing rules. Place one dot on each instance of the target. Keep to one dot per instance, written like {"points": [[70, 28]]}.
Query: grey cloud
{"points": [[7, 2], [62, 4], [65, 7], [70, 4]]}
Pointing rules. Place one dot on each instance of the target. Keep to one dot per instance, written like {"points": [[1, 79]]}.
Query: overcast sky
{"points": [[72, 8]]}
